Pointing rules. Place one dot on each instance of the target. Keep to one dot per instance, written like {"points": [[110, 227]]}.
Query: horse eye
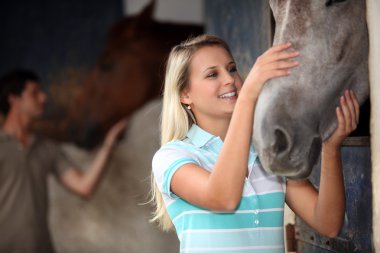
{"points": [[331, 2]]}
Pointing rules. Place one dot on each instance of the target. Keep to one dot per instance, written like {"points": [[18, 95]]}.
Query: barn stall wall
{"points": [[246, 26], [57, 39], [355, 235], [50, 35]]}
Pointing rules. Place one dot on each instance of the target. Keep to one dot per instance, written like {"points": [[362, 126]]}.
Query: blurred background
{"points": [[100, 61], [91, 58]]}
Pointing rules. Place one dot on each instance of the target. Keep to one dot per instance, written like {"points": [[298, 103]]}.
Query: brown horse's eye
{"points": [[331, 2]]}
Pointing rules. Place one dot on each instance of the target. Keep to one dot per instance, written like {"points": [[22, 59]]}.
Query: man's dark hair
{"points": [[13, 83]]}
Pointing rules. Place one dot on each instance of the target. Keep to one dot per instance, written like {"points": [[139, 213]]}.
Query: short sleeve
{"points": [[60, 162], [166, 162]]}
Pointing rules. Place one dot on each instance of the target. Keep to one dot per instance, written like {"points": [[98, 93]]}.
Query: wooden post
{"points": [[373, 20]]}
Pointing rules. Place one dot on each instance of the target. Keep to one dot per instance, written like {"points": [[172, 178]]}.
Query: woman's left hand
{"points": [[348, 118]]}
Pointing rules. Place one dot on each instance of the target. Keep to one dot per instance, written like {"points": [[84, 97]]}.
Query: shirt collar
{"points": [[5, 137], [201, 138], [198, 136]]}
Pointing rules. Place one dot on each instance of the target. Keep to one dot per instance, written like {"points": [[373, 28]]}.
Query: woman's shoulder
{"points": [[178, 144], [173, 152], [176, 148]]}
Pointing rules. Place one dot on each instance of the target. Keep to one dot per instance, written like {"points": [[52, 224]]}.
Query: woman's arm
{"points": [[222, 188], [324, 211]]}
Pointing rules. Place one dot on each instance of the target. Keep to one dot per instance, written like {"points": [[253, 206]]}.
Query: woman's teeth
{"points": [[228, 95]]}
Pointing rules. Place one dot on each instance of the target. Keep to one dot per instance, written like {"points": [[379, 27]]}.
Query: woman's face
{"points": [[214, 84]]}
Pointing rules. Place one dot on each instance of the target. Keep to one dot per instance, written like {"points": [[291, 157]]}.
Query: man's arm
{"points": [[84, 183]]}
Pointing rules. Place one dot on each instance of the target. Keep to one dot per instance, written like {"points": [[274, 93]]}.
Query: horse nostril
{"points": [[281, 142]]}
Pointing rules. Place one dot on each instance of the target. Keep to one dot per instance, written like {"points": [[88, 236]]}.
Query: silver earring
{"points": [[189, 107]]}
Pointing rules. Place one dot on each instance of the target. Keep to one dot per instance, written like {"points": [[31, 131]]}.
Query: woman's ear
{"points": [[185, 98]]}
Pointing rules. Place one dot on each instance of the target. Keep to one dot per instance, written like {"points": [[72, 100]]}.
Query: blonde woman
{"points": [[207, 179]]}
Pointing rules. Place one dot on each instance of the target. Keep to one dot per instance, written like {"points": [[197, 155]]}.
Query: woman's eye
{"points": [[212, 75], [232, 69]]}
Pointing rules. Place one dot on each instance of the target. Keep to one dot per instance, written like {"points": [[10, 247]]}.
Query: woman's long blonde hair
{"points": [[176, 119]]}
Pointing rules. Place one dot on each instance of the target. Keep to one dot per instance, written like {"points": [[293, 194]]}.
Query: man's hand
{"points": [[115, 131]]}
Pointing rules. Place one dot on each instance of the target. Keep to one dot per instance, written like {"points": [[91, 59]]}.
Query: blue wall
{"points": [[51, 35], [244, 24]]}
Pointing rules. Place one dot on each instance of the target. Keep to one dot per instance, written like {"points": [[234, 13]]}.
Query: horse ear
{"points": [[147, 12]]}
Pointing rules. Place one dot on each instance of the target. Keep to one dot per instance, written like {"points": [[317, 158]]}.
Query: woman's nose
{"points": [[228, 78]]}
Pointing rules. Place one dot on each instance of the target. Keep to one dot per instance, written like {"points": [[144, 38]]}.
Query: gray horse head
{"points": [[295, 114]]}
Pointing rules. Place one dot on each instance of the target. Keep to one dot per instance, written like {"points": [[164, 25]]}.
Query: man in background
{"points": [[26, 161]]}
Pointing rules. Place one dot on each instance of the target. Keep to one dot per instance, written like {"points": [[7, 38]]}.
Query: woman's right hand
{"points": [[275, 62]]}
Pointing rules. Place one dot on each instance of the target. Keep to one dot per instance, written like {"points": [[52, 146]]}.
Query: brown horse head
{"points": [[128, 74]]}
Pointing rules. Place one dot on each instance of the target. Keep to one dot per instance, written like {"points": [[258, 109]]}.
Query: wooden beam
{"points": [[373, 20]]}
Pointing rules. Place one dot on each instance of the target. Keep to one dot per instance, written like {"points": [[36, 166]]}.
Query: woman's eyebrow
{"points": [[214, 67]]}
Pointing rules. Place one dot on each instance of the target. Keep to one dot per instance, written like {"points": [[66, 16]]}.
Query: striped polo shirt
{"points": [[257, 223]]}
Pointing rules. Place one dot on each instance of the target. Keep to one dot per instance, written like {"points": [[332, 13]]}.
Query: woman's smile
{"points": [[229, 95]]}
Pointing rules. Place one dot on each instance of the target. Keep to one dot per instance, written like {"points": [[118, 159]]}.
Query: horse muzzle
{"points": [[285, 147]]}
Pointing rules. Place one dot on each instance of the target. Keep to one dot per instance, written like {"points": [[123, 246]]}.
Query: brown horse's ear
{"points": [[147, 12]]}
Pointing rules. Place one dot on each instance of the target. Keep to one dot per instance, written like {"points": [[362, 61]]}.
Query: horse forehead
{"points": [[292, 15], [312, 9], [283, 7]]}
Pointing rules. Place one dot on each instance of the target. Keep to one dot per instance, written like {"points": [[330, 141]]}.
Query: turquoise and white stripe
{"points": [[255, 226]]}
